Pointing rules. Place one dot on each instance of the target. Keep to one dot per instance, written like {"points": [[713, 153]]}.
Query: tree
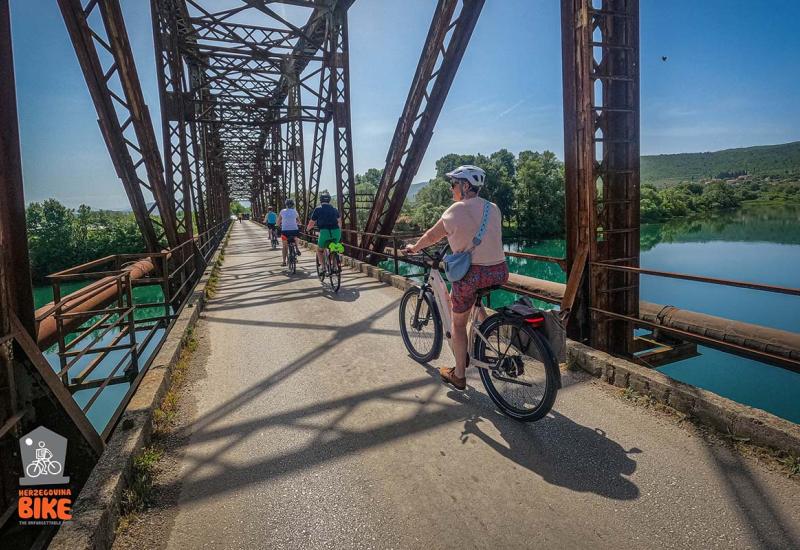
{"points": [[238, 208], [369, 181], [51, 237], [431, 201], [59, 238], [539, 194]]}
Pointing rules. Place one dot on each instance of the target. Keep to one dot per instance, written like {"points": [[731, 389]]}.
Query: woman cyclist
{"points": [[459, 223], [288, 222]]}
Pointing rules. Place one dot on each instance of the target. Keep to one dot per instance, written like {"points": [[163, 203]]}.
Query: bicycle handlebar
{"points": [[425, 256]]}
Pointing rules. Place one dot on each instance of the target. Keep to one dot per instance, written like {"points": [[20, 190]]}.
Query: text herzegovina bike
{"points": [[517, 365]]}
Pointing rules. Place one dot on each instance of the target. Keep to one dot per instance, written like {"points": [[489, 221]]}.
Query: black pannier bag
{"points": [[547, 321]]}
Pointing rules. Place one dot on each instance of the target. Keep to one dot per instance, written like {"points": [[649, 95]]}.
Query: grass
{"points": [[164, 415], [213, 279], [138, 496]]}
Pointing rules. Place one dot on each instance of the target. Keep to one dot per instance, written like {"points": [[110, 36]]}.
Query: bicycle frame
{"points": [[435, 282]]}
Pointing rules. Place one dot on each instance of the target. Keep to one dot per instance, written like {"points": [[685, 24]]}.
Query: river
{"points": [[758, 243]]}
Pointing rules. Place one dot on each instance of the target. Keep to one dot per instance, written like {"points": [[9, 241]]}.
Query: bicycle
{"points": [[273, 235], [291, 256], [522, 379], [332, 266], [43, 466]]}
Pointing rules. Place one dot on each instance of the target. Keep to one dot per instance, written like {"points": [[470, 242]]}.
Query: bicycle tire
{"points": [[411, 296], [320, 270], [34, 469], [335, 269], [292, 261], [493, 326]]}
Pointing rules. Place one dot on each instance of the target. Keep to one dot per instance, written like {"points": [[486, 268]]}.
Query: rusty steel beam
{"points": [[774, 346], [444, 48], [600, 48], [169, 25], [338, 60], [15, 275], [320, 132], [297, 156], [119, 140]]}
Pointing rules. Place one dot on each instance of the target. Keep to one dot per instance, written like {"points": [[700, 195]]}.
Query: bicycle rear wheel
{"points": [[335, 269], [525, 378], [292, 260], [420, 325], [320, 269]]}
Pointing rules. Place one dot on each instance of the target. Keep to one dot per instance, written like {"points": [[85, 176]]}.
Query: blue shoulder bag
{"points": [[457, 264]]}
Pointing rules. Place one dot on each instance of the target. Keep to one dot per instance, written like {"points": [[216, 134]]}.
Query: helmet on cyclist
{"points": [[289, 203], [473, 175], [325, 197]]}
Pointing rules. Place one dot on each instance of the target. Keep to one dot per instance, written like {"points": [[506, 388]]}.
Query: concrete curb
{"points": [[96, 511], [727, 416]]}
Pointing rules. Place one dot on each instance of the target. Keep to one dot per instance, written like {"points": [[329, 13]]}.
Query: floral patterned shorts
{"points": [[463, 292]]}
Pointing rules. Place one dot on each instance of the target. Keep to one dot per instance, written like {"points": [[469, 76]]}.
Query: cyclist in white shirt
{"points": [[288, 222]]}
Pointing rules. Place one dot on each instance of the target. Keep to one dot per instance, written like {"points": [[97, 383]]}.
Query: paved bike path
{"points": [[311, 427]]}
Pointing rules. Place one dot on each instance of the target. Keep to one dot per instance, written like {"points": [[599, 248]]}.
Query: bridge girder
{"points": [[158, 220], [441, 56]]}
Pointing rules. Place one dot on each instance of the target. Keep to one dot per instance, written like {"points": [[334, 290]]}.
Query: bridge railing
{"points": [[674, 333], [766, 344], [104, 335]]}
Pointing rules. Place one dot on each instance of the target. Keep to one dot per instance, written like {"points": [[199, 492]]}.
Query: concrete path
{"points": [[312, 428]]}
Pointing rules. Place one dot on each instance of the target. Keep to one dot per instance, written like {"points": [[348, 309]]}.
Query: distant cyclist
{"points": [[326, 218], [288, 220], [271, 219]]}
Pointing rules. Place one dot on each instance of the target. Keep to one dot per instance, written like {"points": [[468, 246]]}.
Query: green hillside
{"points": [[764, 160]]}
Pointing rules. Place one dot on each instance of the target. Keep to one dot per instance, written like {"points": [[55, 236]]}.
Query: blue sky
{"points": [[731, 80]]}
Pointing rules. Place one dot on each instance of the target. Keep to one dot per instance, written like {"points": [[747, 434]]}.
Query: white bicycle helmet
{"points": [[472, 174]]}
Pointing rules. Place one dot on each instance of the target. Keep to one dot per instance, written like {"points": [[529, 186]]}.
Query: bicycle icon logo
{"points": [[43, 465], [43, 453]]}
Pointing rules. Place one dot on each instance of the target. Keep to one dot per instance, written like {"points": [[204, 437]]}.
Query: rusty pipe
{"points": [[747, 335], [47, 331]]}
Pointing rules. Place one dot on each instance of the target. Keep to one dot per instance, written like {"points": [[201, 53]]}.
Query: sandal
{"points": [[448, 376]]}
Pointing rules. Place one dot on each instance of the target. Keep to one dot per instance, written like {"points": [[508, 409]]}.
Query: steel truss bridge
{"points": [[239, 85]]}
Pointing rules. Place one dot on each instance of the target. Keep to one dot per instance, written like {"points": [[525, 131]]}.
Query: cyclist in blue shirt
{"points": [[271, 219], [326, 217]]}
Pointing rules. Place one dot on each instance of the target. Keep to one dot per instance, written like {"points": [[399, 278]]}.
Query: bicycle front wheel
{"points": [[523, 380], [420, 325], [335, 269]]}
